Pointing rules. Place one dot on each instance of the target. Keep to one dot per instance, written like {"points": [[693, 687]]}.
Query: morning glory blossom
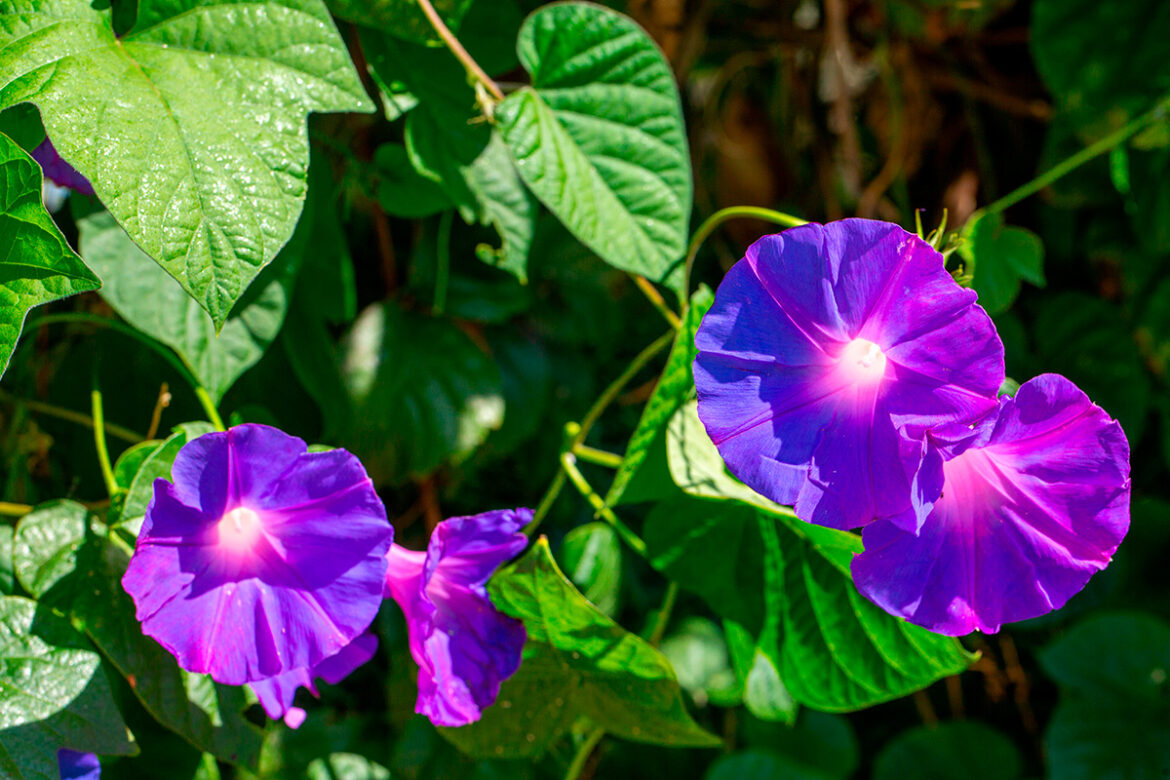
{"points": [[1035, 501], [260, 558], [828, 352], [60, 177], [276, 694], [78, 766], [463, 646]]}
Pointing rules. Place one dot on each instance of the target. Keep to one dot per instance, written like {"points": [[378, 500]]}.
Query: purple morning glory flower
{"points": [[78, 766], [261, 558], [276, 694], [58, 171], [829, 351], [1035, 501], [463, 646]]}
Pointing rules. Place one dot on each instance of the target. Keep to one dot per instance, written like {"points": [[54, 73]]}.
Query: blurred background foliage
{"points": [[820, 108]]}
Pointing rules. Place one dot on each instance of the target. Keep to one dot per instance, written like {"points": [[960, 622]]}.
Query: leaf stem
{"points": [[632, 540], [209, 407], [1090, 152], [443, 261], [598, 457], [99, 440], [581, 758], [663, 617], [10, 509], [708, 226], [657, 301], [457, 49], [117, 431]]}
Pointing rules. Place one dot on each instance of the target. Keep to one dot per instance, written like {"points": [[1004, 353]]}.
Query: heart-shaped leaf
{"points": [[599, 136], [1000, 256], [192, 126]]}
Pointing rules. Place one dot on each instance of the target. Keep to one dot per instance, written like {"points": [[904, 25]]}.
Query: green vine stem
{"points": [[99, 440], [723, 215], [443, 262], [1096, 149], [598, 457], [581, 757], [657, 301], [9, 509], [457, 49], [632, 540], [576, 432]]}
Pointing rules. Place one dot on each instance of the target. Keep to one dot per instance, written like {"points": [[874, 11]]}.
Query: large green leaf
{"points": [[578, 662], [599, 136], [421, 392], [87, 579], [592, 557], [152, 301], [954, 749], [449, 142], [1001, 257], [53, 694], [192, 126], [1114, 712], [402, 18], [672, 391], [1103, 61], [36, 263]]}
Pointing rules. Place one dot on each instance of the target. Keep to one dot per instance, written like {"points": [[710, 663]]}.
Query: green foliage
{"points": [[150, 300], [401, 18], [1115, 704], [578, 663], [36, 263], [949, 750], [53, 693], [1000, 257], [422, 392], [203, 167], [599, 137], [592, 558]]}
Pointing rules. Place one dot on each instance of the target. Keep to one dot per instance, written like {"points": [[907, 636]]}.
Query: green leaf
{"points": [[22, 124], [698, 652], [578, 662], [818, 740], [672, 391], [53, 694], [592, 557], [837, 651], [954, 749], [1114, 711], [421, 393], [449, 142], [1000, 256], [46, 544], [36, 263], [149, 299], [131, 460], [697, 467], [1104, 62], [157, 465], [1088, 340], [192, 126], [7, 570], [599, 136], [403, 191], [401, 18]]}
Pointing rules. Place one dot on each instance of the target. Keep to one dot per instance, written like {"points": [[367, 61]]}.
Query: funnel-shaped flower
{"points": [[276, 694], [261, 558], [1036, 500], [78, 766], [464, 648], [829, 351]]}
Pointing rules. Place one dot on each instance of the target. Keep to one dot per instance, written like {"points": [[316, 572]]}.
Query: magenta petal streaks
{"points": [[829, 351], [463, 646], [1036, 501], [261, 558]]}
